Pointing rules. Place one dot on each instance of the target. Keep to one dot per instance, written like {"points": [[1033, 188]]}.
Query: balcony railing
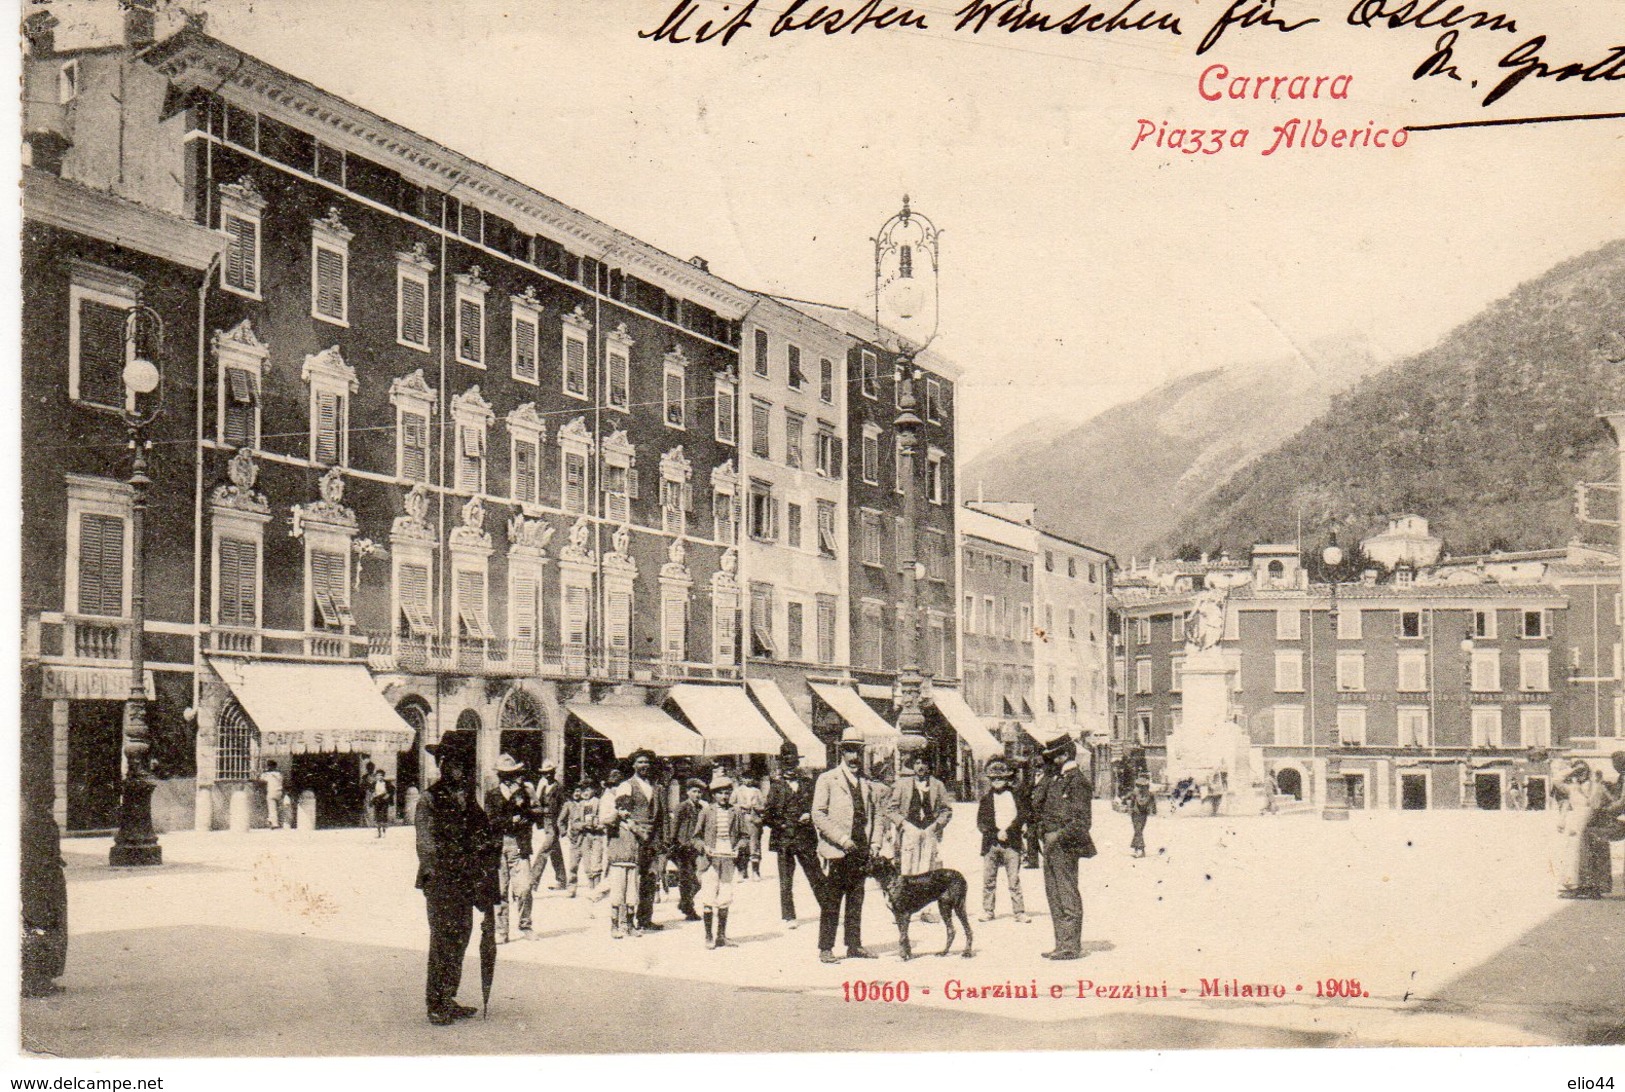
{"points": [[500, 657], [100, 640]]}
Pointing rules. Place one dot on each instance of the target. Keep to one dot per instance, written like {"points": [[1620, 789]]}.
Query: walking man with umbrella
{"points": [[457, 864]]}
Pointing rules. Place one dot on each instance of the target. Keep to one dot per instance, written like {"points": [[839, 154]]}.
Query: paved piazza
{"points": [[1448, 920]]}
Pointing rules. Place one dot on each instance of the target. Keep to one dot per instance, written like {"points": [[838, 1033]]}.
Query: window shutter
{"points": [[470, 330], [472, 438], [414, 311], [239, 591], [242, 257], [413, 594], [632, 488], [327, 427], [101, 565], [329, 283], [575, 616], [471, 603], [101, 354], [620, 622], [414, 447], [327, 587], [522, 611], [674, 624], [575, 365], [524, 338], [524, 471], [574, 493]]}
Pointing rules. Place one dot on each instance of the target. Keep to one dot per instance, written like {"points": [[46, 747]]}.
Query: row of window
{"points": [[876, 641], [770, 518], [930, 544], [305, 155], [981, 561], [934, 398], [1409, 625], [763, 615], [794, 376], [936, 468], [1484, 676], [826, 454], [1412, 727], [998, 617], [1094, 571]]}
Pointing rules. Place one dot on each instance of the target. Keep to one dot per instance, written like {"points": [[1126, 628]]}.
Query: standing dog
{"points": [[907, 895]]}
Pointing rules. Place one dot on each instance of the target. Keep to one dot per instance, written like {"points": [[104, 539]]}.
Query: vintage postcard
{"points": [[689, 527]]}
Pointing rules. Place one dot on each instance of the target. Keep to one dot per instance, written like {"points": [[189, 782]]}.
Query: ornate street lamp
{"points": [[904, 247], [136, 844], [1337, 805]]}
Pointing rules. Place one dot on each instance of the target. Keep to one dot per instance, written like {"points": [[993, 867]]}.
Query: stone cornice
{"points": [[241, 346], [72, 207], [413, 388], [192, 58], [471, 406], [417, 257], [329, 364]]}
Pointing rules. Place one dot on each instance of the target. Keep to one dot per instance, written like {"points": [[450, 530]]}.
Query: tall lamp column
{"points": [[136, 844], [902, 239], [1336, 806]]}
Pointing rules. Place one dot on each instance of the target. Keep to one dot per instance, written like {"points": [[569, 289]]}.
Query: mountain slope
{"points": [[1124, 479], [1485, 434]]}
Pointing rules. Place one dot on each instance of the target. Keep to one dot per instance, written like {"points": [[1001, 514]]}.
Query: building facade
{"points": [[1456, 686], [794, 532], [996, 623]]}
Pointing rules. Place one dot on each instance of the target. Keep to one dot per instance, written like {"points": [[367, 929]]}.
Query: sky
{"points": [[1077, 271]]}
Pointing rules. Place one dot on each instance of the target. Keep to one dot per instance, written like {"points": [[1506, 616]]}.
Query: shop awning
{"points": [[727, 719], [1043, 734], [856, 712], [632, 726], [982, 742], [786, 720], [314, 708]]}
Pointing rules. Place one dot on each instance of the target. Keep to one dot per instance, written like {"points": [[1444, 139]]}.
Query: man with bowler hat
{"points": [[511, 809], [788, 814], [1060, 810], [456, 870], [846, 814]]}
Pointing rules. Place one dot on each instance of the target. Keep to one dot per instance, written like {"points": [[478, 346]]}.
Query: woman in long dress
{"points": [[1583, 789]]}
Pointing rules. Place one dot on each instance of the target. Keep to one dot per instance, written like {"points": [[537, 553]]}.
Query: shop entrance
{"points": [[1354, 790], [1487, 791], [95, 764], [587, 755], [521, 734], [1413, 792], [336, 781], [1290, 782], [1535, 787], [408, 770]]}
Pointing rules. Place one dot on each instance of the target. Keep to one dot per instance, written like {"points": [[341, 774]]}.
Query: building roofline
{"points": [[191, 57], [863, 329], [971, 505]]}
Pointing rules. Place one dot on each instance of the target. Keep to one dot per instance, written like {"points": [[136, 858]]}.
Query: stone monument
{"points": [[1210, 747]]}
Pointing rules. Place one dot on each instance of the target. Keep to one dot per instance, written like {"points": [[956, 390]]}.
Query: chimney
{"points": [[40, 30], [140, 22], [700, 263]]}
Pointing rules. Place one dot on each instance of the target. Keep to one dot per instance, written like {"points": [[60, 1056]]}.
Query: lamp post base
{"points": [[135, 856], [135, 845]]}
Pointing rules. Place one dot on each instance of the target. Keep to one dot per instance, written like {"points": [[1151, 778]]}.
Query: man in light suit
{"points": [[846, 814]]}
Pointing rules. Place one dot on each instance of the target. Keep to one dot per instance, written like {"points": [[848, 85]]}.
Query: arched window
{"points": [[238, 744]]}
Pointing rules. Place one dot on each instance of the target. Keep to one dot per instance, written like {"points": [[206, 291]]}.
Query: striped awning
{"points": [[856, 712], [726, 718], [966, 723], [773, 702], [632, 726]]}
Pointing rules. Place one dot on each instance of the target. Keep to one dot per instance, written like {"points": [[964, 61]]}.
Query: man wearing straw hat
{"points": [[511, 810], [454, 845]]}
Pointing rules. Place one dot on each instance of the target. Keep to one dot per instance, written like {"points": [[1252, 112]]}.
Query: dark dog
{"points": [[906, 895]]}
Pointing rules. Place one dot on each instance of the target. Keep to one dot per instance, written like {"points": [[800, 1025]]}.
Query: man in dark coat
{"points": [[1061, 813], [1606, 825], [788, 814], [548, 797], [457, 870], [685, 829], [511, 810]]}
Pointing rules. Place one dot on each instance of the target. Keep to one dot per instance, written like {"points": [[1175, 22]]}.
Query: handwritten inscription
{"points": [[713, 22], [1019, 15]]}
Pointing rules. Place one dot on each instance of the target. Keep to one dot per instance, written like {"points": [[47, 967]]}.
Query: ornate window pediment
{"points": [[579, 549], [329, 365], [413, 526], [329, 514], [237, 493], [413, 391], [471, 535]]}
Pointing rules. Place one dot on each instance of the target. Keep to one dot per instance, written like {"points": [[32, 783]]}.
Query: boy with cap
{"points": [[721, 834], [684, 852], [626, 840], [1001, 816]]}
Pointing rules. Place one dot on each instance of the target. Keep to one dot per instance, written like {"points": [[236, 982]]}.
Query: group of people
{"points": [[492, 855], [1592, 816]]}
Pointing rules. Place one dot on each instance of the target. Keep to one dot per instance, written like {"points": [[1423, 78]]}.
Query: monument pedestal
{"points": [[1209, 744]]}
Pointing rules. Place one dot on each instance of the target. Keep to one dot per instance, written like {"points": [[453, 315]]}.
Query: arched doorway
{"points": [[1290, 782], [468, 721], [522, 725]]}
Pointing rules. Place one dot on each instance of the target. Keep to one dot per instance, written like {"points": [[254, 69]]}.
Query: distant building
{"points": [[1406, 543], [1440, 691]]}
